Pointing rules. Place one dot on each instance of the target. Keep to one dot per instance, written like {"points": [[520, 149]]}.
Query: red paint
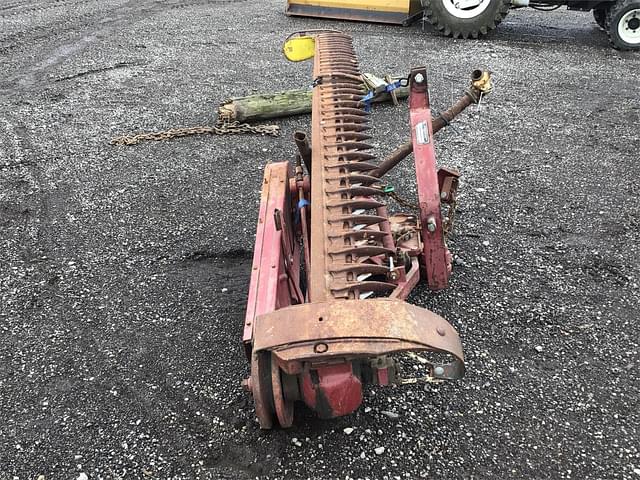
{"points": [[435, 252], [408, 283], [269, 285], [332, 391], [383, 376]]}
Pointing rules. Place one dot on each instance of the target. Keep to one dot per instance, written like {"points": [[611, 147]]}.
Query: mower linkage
{"points": [[332, 268]]}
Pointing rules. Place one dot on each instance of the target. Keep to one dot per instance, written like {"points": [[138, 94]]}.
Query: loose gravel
{"points": [[124, 270]]}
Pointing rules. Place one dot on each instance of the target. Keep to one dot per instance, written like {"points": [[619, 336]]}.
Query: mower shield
{"points": [[350, 329]]}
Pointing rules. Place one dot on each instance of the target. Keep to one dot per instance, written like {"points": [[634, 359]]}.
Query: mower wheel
{"points": [[261, 388], [623, 24], [283, 406], [465, 18], [600, 16]]}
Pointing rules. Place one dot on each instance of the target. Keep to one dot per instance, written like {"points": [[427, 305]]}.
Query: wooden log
{"points": [[255, 108]]}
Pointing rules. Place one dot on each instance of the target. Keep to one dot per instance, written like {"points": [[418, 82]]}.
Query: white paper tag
{"points": [[422, 133]]}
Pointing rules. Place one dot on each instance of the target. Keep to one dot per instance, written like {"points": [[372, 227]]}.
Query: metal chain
{"points": [[451, 216], [402, 201], [222, 127], [427, 379]]}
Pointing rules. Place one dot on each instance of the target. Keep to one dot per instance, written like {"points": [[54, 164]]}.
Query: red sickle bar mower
{"points": [[332, 268]]}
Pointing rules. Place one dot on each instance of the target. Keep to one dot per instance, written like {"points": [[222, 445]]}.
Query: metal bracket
{"points": [[434, 255]]}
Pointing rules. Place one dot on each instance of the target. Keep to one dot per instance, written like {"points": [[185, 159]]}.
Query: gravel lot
{"points": [[124, 270]]}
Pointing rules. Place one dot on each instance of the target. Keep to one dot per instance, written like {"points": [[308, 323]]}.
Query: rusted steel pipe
{"points": [[385, 226], [306, 185], [302, 142], [393, 159], [438, 123], [480, 84], [446, 117], [302, 207]]}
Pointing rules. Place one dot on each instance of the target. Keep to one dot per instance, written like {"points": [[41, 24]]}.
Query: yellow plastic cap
{"points": [[298, 49]]}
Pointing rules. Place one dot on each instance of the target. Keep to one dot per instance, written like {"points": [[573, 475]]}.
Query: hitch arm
{"points": [[480, 86]]}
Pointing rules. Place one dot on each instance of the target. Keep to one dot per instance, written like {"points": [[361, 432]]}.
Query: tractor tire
{"points": [[623, 25], [472, 22], [600, 16]]}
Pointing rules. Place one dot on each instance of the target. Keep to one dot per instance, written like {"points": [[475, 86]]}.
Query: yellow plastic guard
{"points": [[298, 49]]}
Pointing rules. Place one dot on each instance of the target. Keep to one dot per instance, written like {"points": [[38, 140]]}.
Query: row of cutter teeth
{"points": [[353, 238]]}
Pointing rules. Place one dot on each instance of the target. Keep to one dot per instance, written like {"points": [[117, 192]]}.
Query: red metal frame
{"points": [[269, 288], [435, 252]]}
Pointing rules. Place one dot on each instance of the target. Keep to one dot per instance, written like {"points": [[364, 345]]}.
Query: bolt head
{"points": [[320, 347], [419, 78], [438, 371]]}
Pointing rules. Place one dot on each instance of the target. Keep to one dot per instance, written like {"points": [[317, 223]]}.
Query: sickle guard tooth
{"points": [[347, 253]]}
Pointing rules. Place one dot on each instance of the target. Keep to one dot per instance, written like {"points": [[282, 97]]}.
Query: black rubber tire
{"points": [[600, 16], [451, 26], [614, 16]]}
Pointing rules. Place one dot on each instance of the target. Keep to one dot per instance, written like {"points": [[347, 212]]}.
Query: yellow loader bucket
{"points": [[400, 12]]}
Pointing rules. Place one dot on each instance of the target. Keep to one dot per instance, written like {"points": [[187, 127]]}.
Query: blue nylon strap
{"points": [[392, 86], [303, 203], [367, 100], [370, 96]]}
